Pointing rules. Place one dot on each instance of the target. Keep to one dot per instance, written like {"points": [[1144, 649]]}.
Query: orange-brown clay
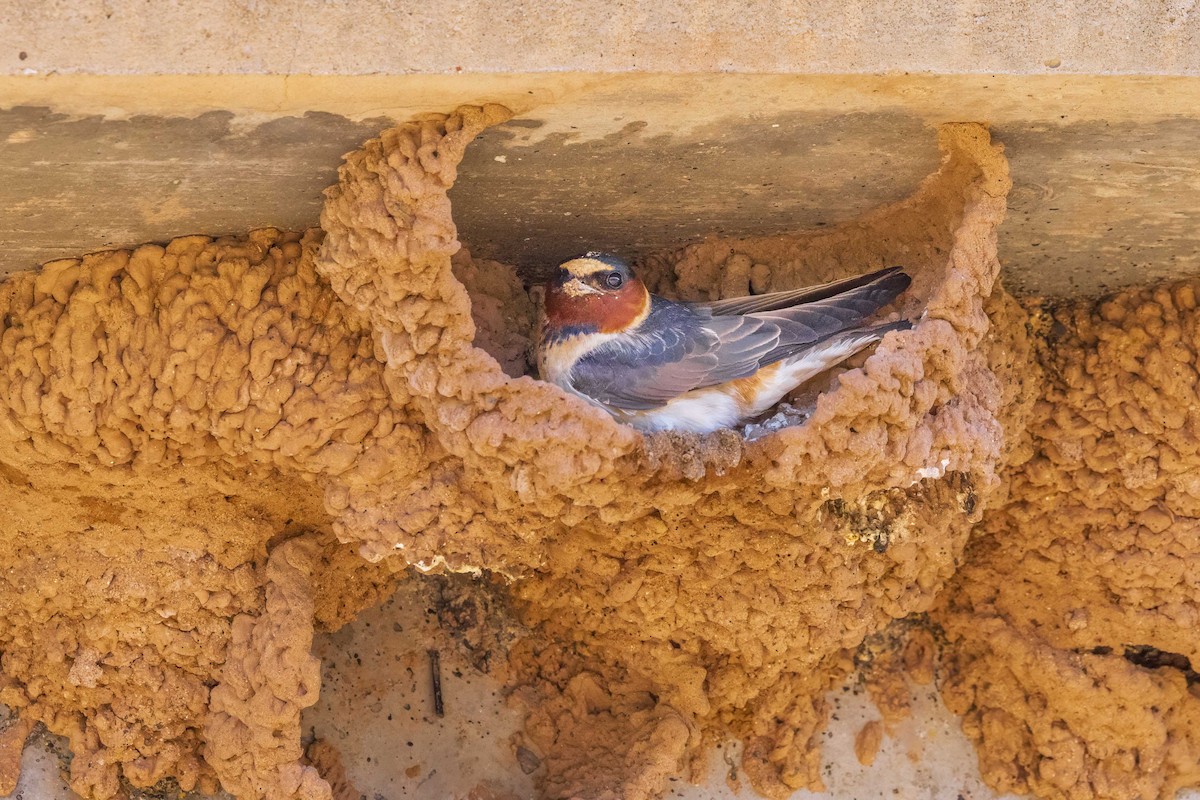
{"points": [[186, 433]]}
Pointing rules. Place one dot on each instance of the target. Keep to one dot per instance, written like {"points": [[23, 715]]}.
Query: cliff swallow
{"points": [[657, 364]]}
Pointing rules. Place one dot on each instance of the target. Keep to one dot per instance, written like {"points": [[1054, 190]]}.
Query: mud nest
{"points": [[242, 438]]}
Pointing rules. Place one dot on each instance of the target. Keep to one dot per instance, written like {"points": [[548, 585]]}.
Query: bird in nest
{"points": [[656, 364]]}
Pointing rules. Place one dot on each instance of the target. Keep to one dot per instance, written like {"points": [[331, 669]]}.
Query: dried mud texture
{"points": [[1073, 626], [690, 585], [611, 715], [203, 351], [170, 414], [454, 492], [867, 742], [13, 735], [270, 674], [327, 761], [164, 415]]}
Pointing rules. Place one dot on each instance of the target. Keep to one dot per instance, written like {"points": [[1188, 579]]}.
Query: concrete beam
{"points": [[1105, 168]]}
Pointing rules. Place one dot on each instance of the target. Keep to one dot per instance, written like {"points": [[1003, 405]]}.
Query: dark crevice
{"points": [[1149, 657], [1152, 658]]}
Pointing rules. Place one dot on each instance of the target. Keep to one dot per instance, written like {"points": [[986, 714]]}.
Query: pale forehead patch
{"points": [[581, 267]]}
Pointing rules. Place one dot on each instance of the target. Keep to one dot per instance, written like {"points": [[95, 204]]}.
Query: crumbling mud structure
{"points": [[211, 448]]}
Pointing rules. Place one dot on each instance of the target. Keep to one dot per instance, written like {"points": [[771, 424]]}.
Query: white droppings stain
{"points": [[936, 471], [440, 561]]}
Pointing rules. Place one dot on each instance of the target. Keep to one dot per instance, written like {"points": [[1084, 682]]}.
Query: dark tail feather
{"points": [[794, 297], [816, 321], [875, 332]]}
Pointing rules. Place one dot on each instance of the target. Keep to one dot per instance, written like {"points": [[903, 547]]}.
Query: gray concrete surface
{"points": [[1106, 171], [393, 37], [376, 707]]}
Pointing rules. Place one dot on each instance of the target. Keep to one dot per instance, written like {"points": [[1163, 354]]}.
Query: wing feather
{"points": [[812, 322], [793, 297], [681, 347]]}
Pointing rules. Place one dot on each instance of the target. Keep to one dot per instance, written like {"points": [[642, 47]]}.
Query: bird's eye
{"points": [[613, 280]]}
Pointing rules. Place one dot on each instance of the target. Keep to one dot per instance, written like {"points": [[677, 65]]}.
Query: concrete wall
{"points": [[122, 37]]}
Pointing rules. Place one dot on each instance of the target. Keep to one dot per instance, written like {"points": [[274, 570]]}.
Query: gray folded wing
{"points": [[884, 279], [677, 350], [681, 347]]}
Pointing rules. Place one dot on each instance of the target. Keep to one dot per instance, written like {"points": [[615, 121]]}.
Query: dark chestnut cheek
{"points": [[556, 298], [623, 308], [609, 312], [563, 310]]}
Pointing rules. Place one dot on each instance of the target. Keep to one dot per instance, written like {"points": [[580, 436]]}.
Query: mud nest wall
{"points": [[211, 447], [709, 582], [1072, 626]]}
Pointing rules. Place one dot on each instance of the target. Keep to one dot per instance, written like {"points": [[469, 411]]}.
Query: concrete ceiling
{"points": [[1106, 171]]}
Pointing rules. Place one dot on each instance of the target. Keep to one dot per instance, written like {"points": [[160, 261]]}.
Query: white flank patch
{"points": [[698, 411]]}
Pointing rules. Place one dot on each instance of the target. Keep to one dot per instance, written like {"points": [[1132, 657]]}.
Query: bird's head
{"points": [[596, 293]]}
